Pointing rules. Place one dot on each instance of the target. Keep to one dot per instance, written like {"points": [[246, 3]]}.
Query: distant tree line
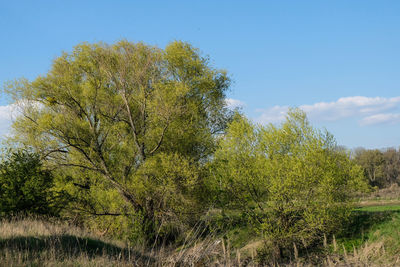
{"points": [[381, 166]]}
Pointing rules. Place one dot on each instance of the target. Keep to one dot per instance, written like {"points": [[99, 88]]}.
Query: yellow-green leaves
{"points": [[136, 120], [291, 178]]}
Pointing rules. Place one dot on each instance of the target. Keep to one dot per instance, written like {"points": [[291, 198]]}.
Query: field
{"points": [[37, 242], [48, 242], [373, 239]]}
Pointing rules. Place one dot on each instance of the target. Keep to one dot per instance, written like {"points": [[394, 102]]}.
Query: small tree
{"points": [[290, 181], [25, 187]]}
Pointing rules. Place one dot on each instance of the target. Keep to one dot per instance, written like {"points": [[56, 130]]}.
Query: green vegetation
{"points": [[372, 236], [135, 143], [290, 182], [128, 128], [388, 233], [38, 242], [43, 242], [380, 208], [25, 186], [374, 240]]}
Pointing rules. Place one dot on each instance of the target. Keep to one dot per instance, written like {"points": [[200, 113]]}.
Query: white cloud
{"points": [[349, 106], [5, 112], [382, 118], [234, 103], [273, 115], [5, 119], [372, 110]]}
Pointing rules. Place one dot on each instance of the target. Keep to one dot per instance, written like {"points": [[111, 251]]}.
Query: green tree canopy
{"points": [[291, 181], [128, 119], [25, 187]]}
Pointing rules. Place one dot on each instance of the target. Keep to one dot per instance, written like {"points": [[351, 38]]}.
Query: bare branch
{"points": [[160, 140]]}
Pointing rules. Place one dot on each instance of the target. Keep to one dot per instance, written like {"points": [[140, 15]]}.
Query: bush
{"points": [[291, 182], [25, 187]]}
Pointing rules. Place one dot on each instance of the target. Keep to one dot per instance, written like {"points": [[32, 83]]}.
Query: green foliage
{"points": [[25, 187], [131, 126], [291, 182]]}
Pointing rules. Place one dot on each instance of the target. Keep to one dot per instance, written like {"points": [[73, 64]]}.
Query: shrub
{"points": [[291, 182], [25, 187]]}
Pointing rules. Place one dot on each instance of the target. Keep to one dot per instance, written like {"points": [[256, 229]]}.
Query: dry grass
{"points": [[36, 242], [389, 193], [370, 254]]}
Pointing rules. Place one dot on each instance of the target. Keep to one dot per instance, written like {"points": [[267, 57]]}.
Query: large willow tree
{"points": [[130, 124]]}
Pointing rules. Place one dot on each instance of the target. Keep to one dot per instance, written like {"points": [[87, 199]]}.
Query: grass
{"points": [[380, 208], [38, 242], [35, 242], [361, 224], [389, 233], [371, 238], [375, 220]]}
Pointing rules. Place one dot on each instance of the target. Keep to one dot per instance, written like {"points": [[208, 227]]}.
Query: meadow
{"points": [[372, 238]]}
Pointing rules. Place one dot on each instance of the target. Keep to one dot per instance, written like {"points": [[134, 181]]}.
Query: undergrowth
{"points": [[370, 239]]}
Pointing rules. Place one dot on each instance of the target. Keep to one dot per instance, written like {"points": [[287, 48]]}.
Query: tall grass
{"points": [[39, 242], [48, 242]]}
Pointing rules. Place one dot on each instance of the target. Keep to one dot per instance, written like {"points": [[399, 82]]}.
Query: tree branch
{"points": [[160, 140]]}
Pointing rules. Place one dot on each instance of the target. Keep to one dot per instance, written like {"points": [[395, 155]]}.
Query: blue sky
{"points": [[338, 60]]}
